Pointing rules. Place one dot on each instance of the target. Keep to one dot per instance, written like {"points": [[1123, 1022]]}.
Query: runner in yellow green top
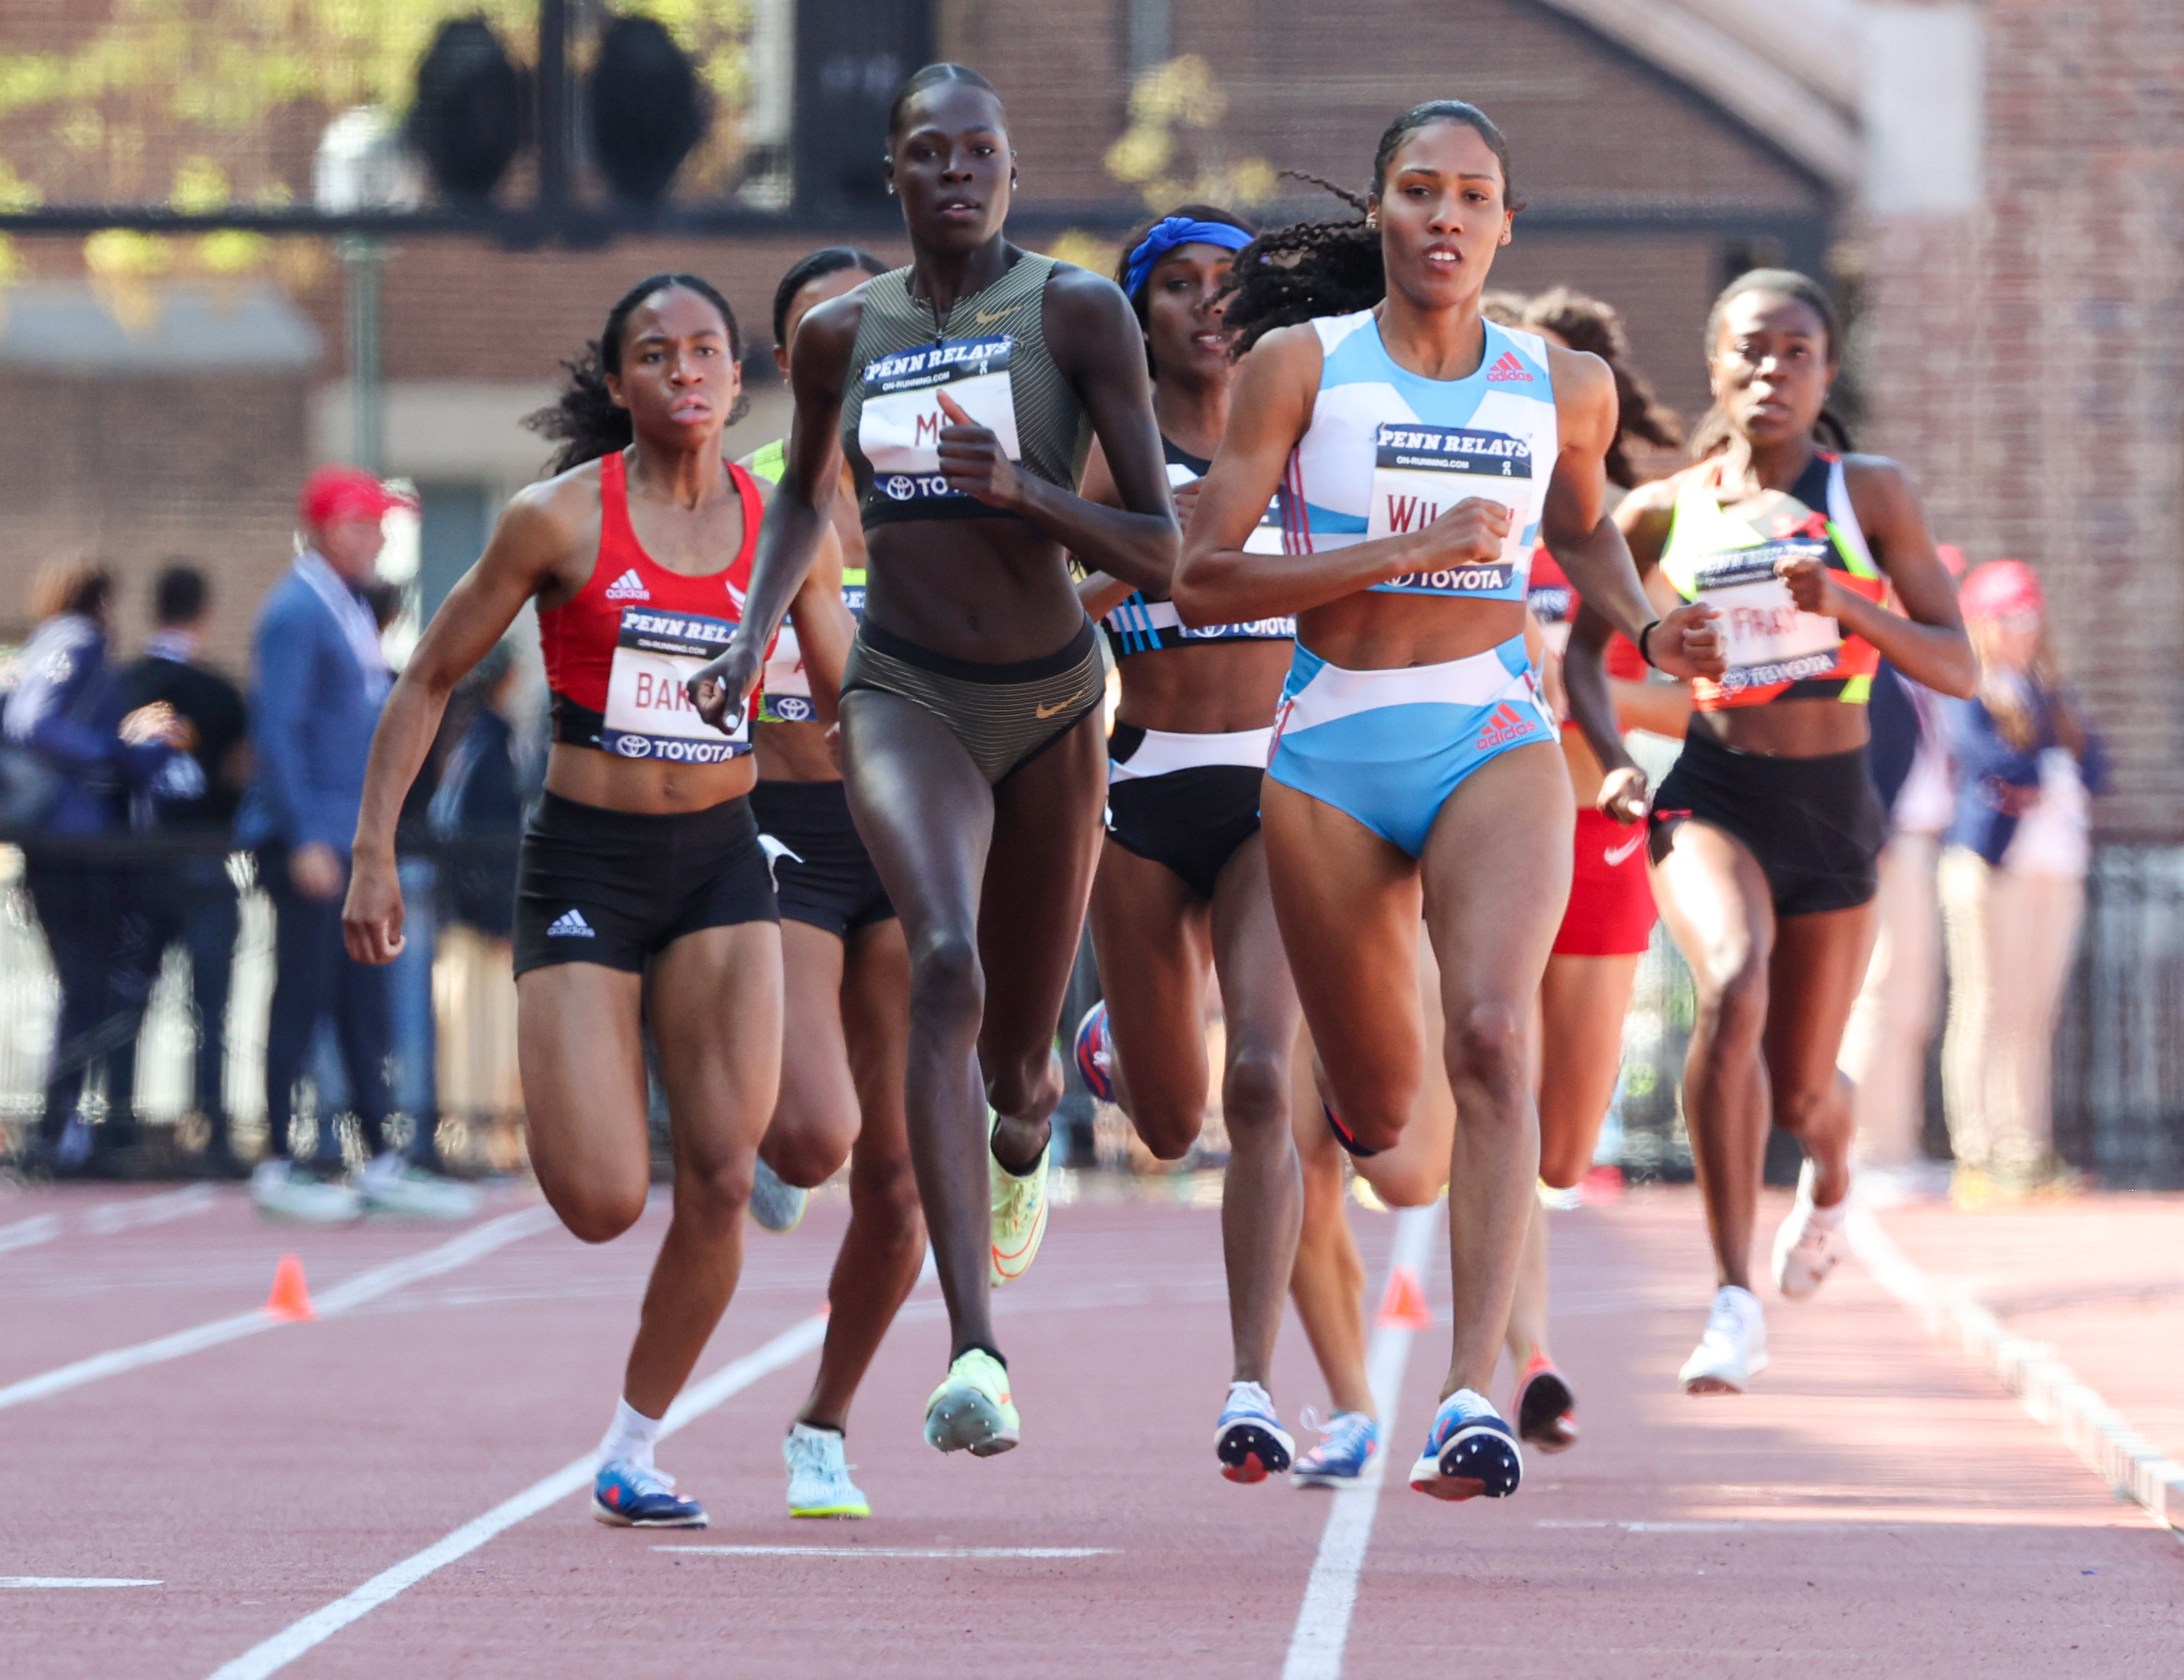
{"points": [[846, 978], [1765, 833]]}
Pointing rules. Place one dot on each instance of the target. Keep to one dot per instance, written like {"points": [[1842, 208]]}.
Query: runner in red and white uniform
{"points": [[643, 895]]}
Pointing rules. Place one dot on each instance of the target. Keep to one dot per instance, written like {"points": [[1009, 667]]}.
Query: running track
{"points": [[1876, 1506]]}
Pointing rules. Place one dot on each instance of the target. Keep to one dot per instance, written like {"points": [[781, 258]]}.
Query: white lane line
{"points": [[28, 1233], [323, 1623], [1323, 1623], [113, 1217], [897, 1551], [365, 1286], [2131, 1465], [47, 1583]]}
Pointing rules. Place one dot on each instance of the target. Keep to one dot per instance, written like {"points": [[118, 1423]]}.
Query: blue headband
{"points": [[1171, 231]]}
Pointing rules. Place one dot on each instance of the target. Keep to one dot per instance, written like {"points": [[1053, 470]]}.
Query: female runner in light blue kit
{"points": [[1419, 451]]}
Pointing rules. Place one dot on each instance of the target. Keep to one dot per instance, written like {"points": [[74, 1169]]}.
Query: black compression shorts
{"points": [[1816, 825], [1189, 820], [618, 887], [821, 873]]}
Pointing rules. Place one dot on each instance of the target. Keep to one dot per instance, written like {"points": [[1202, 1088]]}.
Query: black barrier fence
{"points": [[2118, 1070]]}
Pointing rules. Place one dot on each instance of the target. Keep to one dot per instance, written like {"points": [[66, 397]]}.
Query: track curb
{"points": [[2050, 1392]]}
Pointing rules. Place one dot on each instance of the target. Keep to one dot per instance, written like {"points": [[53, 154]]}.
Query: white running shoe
{"points": [[776, 1206], [1810, 1241], [1019, 1212], [283, 1190], [391, 1184], [819, 1482], [1734, 1349]]}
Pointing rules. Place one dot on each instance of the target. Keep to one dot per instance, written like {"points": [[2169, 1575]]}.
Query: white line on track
{"points": [[2050, 1392], [28, 1233], [48, 1583], [896, 1551], [1323, 1623], [365, 1286], [323, 1623], [110, 1217]]}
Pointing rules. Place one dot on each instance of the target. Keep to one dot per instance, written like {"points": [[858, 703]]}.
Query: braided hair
{"points": [[1713, 432], [585, 420], [1296, 274], [1587, 324]]}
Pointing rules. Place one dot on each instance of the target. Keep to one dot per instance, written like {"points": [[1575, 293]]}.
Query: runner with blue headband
{"points": [[1182, 884]]}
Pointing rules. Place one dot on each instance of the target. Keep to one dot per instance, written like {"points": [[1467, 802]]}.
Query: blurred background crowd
{"points": [[235, 249]]}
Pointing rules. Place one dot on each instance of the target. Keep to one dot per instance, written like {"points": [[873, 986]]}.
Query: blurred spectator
{"points": [[186, 896], [1884, 1050], [85, 763], [2012, 884], [319, 681]]}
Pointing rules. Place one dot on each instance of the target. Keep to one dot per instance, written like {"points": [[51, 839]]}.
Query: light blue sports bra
{"points": [[1388, 451]]}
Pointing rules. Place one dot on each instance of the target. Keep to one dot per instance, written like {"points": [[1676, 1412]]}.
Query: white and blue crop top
{"points": [[1137, 626], [1388, 451]]}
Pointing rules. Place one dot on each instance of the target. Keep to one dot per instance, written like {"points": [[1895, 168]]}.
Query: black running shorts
{"points": [[618, 887], [821, 873], [1816, 825], [1189, 820]]}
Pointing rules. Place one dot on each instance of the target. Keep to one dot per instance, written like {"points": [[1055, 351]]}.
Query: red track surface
{"points": [[1876, 1506]]}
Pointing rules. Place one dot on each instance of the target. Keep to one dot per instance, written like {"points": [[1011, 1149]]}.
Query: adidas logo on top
{"points": [[571, 925], [629, 587], [1507, 725], [1508, 369]]}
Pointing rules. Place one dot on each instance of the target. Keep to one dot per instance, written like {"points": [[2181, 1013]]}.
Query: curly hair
{"points": [[1713, 432], [1587, 324], [1310, 269], [586, 421]]}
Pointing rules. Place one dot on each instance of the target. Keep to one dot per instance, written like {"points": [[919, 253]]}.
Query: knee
{"points": [[713, 1194], [946, 982], [1797, 1107], [810, 1153], [1411, 1184], [1254, 1091], [887, 1192], [1485, 1047], [602, 1214], [1732, 994]]}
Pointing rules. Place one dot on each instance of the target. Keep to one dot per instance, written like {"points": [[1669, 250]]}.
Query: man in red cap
{"points": [[319, 680]]}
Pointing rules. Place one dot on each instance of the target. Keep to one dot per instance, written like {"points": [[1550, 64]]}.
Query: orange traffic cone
{"points": [[1404, 1306], [291, 1300]]}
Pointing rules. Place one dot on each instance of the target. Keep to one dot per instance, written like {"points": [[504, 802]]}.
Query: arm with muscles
{"points": [[1623, 790], [1219, 583], [1101, 351], [824, 627], [520, 558], [1929, 646], [1588, 545], [798, 520], [1101, 593]]}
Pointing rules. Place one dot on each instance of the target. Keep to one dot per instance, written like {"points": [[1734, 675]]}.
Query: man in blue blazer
{"points": [[319, 681]]}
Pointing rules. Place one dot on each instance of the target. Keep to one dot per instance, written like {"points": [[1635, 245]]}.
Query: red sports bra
{"points": [[619, 650]]}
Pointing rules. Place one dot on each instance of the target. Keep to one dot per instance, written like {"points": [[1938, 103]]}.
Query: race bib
{"points": [[1769, 640], [649, 712], [899, 426], [1420, 472], [1265, 537], [787, 687]]}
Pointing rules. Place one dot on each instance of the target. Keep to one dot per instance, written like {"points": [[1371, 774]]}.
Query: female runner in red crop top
{"points": [[643, 894]]}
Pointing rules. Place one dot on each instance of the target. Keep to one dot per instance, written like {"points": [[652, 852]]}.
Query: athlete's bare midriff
{"points": [[1372, 632], [993, 590], [1215, 688], [1789, 729]]}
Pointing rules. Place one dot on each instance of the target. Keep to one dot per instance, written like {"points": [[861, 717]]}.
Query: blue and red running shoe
{"points": [[1095, 1062], [1250, 1440], [627, 1495], [1471, 1451], [1349, 1441]]}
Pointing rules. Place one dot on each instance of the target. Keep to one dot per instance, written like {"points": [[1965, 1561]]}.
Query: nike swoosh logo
{"points": [[984, 319], [1049, 711], [1616, 854]]}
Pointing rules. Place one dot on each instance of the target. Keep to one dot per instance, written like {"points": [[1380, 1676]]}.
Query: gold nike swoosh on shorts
{"points": [[1049, 711]]}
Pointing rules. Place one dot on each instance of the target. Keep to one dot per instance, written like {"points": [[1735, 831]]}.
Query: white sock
{"points": [[631, 1436], [1253, 1391]]}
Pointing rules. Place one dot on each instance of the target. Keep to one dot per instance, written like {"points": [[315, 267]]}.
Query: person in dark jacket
{"points": [[319, 681], [184, 893], [2013, 886], [100, 760]]}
